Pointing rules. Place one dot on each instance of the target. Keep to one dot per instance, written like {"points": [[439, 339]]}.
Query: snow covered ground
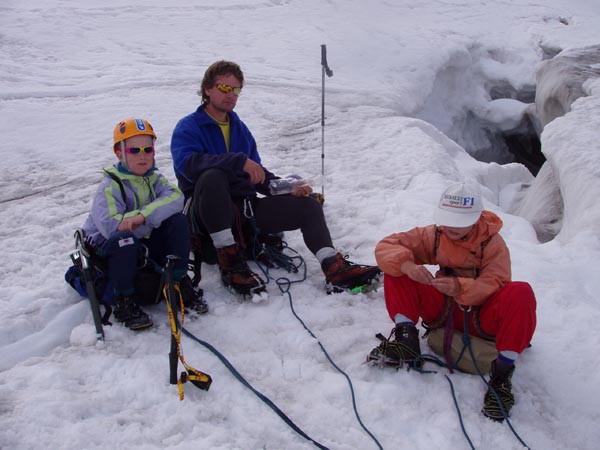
{"points": [[70, 70]]}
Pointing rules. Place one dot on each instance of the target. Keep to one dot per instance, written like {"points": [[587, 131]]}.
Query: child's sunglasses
{"points": [[136, 150], [225, 88]]}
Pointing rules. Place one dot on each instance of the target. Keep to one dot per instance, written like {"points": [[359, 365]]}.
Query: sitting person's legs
{"points": [[213, 208], [286, 213], [172, 237], [121, 253], [509, 315]]}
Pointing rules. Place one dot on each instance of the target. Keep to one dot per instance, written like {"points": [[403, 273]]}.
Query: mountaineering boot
{"points": [[405, 348], [341, 274], [500, 380], [192, 298], [132, 316], [235, 273]]}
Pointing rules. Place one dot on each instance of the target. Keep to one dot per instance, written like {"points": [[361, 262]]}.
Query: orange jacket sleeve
{"points": [[414, 245], [417, 245]]}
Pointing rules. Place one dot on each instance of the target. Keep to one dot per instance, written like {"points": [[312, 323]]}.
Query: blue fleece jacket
{"points": [[197, 144]]}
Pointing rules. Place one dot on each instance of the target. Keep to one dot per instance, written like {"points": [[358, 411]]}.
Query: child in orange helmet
{"points": [[137, 207]]}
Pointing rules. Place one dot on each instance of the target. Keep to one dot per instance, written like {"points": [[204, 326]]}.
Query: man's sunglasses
{"points": [[136, 150], [225, 88]]}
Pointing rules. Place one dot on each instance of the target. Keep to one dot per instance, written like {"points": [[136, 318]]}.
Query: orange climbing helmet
{"points": [[132, 127]]}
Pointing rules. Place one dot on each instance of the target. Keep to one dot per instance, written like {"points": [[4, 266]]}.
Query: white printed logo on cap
{"points": [[460, 206]]}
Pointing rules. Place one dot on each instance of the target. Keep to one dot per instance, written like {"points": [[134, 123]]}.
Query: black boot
{"points": [[500, 380], [132, 316], [341, 274], [405, 348], [192, 298], [235, 273]]}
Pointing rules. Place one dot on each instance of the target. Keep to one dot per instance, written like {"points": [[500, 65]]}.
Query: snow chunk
{"points": [[505, 113], [83, 335]]}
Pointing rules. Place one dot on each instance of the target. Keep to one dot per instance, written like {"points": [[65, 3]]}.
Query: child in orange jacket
{"points": [[474, 272]]}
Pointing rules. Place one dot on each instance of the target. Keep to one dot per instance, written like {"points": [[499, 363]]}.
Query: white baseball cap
{"points": [[460, 206]]}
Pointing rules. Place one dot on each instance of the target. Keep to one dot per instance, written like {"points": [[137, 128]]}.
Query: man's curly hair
{"points": [[215, 70]]}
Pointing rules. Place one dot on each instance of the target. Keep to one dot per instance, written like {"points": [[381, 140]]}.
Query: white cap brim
{"points": [[455, 219]]}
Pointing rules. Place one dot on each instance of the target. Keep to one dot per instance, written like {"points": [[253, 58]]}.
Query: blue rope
{"points": [[279, 259], [466, 339], [496, 396], [439, 362], [261, 396], [335, 366], [462, 425], [284, 284]]}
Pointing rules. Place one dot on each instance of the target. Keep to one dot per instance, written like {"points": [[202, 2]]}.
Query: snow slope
{"points": [[72, 69]]}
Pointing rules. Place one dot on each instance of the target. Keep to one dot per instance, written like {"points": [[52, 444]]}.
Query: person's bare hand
{"points": [[302, 191], [256, 172], [416, 272], [448, 286], [131, 223]]}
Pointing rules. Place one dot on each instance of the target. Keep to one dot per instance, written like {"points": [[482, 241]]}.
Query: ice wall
{"points": [[560, 81], [571, 145], [478, 102], [562, 199]]}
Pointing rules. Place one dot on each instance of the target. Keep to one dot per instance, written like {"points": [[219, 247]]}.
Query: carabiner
{"points": [[248, 207]]}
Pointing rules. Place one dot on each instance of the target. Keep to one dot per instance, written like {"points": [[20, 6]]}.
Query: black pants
{"points": [[216, 210], [122, 252]]}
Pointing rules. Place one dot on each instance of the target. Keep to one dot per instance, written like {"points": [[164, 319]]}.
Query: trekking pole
{"points": [[324, 70], [89, 282]]}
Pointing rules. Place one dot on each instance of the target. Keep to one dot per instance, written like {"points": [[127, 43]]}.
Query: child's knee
{"points": [[178, 222], [122, 243]]}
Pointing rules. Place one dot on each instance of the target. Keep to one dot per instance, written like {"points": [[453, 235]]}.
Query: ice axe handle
{"points": [[328, 71]]}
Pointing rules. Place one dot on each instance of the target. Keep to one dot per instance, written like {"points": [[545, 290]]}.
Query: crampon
{"points": [[342, 275], [369, 285], [256, 294], [391, 353]]}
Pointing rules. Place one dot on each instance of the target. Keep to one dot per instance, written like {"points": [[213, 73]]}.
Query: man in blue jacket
{"points": [[217, 164]]}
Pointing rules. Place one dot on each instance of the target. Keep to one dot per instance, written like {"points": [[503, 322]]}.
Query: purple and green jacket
{"points": [[150, 194]]}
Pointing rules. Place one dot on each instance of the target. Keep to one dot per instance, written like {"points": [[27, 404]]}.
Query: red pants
{"points": [[509, 314]]}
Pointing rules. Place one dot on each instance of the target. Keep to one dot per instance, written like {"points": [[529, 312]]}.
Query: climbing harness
{"points": [[446, 318]]}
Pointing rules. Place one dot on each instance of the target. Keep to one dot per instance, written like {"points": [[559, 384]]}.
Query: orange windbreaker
{"points": [[463, 256]]}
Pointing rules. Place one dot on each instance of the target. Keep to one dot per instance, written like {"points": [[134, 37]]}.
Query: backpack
{"points": [[484, 351], [102, 285], [147, 285]]}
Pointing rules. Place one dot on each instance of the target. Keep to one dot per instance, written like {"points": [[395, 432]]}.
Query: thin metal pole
{"points": [[323, 131], [324, 70]]}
